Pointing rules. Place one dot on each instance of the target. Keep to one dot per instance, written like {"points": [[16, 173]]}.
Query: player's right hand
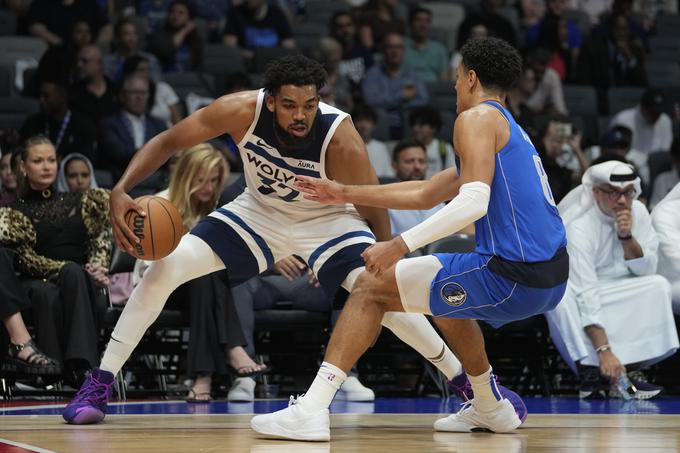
{"points": [[324, 191], [119, 204], [290, 267]]}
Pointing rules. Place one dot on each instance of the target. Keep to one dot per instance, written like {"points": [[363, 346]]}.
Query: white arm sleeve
{"points": [[471, 204]]}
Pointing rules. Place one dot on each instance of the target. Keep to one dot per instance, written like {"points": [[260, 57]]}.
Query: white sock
{"points": [[416, 331], [328, 380], [487, 395]]}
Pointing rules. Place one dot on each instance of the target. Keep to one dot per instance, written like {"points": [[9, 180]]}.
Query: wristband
{"points": [[625, 238], [603, 348]]}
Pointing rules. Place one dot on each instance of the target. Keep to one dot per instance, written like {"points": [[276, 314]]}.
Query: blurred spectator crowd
{"points": [[98, 78]]}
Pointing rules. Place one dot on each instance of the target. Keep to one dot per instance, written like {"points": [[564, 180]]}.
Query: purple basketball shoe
{"points": [[461, 387], [89, 404]]}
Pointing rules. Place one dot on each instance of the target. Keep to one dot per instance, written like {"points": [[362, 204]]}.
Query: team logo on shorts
{"points": [[454, 294]]}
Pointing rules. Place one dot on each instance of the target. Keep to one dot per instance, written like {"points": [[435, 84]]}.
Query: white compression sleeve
{"points": [[471, 204]]}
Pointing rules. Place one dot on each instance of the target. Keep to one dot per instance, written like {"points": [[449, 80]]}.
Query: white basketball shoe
{"points": [[469, 419], [295, 423], [353, 390]]}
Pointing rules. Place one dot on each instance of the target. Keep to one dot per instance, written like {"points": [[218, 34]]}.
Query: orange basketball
{"points": [[159, 232]]}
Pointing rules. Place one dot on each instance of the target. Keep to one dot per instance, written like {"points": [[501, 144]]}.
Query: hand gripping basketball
{"points": [[158, 232]]}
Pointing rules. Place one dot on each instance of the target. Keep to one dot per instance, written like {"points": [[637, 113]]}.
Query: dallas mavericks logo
{"points": [[453, 294]]}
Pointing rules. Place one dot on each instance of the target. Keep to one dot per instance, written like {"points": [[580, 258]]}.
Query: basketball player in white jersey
{"points": [[282, 131]]}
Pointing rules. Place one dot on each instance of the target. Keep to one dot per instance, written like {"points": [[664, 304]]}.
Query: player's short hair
{"points": [[406, 143], [295, 69], [497, 64]]}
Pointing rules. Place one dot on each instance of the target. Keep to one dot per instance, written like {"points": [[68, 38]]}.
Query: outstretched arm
{"points": [[229, 114], [414, 195], [477, 153]]}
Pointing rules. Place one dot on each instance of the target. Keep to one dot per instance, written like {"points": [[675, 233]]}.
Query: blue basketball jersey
{"points": [[522, 223]]}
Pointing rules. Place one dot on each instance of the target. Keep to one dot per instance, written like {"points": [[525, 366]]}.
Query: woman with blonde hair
{"points": [[215, 329]]}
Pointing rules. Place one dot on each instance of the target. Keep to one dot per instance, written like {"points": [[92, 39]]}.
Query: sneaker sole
{"points": [[355, 397], [646, 394], [283, 433], [86, 417]]}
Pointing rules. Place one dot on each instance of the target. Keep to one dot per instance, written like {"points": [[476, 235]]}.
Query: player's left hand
{"points": [[322, 190], [383, 255], [624, 222]]}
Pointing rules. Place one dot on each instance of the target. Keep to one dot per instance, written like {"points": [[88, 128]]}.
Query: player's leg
{"points": [[355, 331], [191, 259], [416, 331]]}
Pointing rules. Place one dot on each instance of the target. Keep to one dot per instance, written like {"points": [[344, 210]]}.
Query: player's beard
{"points": [[290, 141]]}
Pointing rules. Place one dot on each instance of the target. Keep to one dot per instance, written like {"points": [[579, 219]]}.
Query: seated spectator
{"points": [[428, 58], [337, 91], [212, 12], [652, 128], [426, 123], [475, 31], [640, 25], [616, 313], [257, 23], [8, 180], [94, 95], [487, 13], [616, 143], [124, 132], [23, 355], [410, 162], [70, 131], [76, 174], [60, 62], [356, 58], [517, 98], [548, 96], [666, 222], [178, 44], [215, 335], [154, 12], [560, 36], [615, 59], [665, 181], [164, 104], [52, 20], [365, 120], [561, 154], [62, 242], [376, 19], [126, 45], [392, 86]]}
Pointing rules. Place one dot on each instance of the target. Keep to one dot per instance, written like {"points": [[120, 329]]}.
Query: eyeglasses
{"points": [[615, 194]]}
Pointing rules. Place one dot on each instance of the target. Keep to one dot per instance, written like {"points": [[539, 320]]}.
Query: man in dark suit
{"points": [[124, 132]]}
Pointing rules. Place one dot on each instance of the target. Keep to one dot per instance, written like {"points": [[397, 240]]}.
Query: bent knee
{"points": [[380, 290]]}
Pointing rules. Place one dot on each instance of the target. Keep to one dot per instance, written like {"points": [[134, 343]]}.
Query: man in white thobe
{"points": [[666, 221], [616, 310]]}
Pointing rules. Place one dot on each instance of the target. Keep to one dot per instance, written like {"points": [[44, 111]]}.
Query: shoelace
{"points": [[294, 400], [95, 392]]}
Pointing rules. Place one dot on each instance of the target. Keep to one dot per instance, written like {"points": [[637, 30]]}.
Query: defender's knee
{"points": [[371, 290]]}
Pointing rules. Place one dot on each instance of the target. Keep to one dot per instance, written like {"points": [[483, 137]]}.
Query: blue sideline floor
{"points": [[670, 405]]}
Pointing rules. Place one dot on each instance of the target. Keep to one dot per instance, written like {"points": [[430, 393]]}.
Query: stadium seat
{"points": [[8, 23], [663, 73], [580, 99], [456, 243], [13, 111], [665, 48], [447, 16], [219, 60], [191, 82], [623, 97], [263, 55], [23, 46], [667, 25]]}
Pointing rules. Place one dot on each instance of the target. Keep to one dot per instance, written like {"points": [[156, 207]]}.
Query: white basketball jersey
{"points": [[270, 169]]}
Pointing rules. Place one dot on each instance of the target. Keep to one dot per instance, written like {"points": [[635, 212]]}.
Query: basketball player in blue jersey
{"points": [[283, 132], [519, 269]]}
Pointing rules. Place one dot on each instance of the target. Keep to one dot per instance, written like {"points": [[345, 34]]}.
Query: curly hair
{"points": [[295, 69], [497, 64]]}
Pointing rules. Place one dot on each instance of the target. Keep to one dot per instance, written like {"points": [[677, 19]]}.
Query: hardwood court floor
{"points": [[351, 433]]}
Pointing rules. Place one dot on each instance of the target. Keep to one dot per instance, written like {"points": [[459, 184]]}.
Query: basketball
{"points": [[159, 232]]}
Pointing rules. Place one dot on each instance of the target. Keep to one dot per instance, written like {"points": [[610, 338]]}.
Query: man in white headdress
{"points": [[666, 221], [616, 311]]}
